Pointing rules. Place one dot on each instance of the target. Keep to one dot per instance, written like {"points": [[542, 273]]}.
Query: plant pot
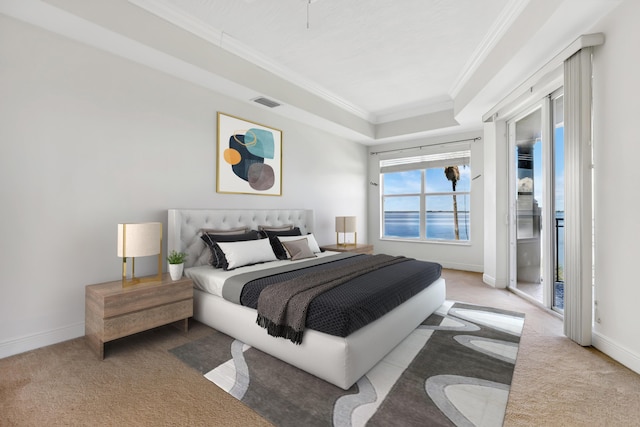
{"points": [[175, 271]]}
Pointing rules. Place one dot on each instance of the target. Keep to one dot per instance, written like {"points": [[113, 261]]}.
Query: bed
{"points": [[337, 360]]}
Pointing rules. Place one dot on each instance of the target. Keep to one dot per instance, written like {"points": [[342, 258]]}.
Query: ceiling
{"points": [[375, 56], [374, 71]]}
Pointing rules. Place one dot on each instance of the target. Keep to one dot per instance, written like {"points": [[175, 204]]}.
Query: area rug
{"points": [[454, 369]]}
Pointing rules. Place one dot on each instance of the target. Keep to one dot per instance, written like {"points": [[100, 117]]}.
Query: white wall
{"points": [[496, 205], [90, 140], [616, 106], [617, 199], [450, 255]]}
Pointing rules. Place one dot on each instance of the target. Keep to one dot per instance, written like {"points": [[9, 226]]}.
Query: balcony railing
{"points": [[558, 286], [559, 271]]}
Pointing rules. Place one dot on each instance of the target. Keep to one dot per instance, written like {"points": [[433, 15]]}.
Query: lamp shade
{"points": [[345, 224], [138, 240]]}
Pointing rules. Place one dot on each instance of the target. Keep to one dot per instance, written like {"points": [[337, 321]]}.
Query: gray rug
{"points": [[454, 369]]}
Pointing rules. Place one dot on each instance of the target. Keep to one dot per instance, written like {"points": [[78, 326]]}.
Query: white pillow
{"points": [[246, 253], [313, 245]]}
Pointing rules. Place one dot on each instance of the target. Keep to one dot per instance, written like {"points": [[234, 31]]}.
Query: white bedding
{"points": [[211, 280]]}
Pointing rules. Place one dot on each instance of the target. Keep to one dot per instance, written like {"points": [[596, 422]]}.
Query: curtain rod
{"points": [[420, 147]]}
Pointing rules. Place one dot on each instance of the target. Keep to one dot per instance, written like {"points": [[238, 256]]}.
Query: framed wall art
{"points": [[249, 157]]}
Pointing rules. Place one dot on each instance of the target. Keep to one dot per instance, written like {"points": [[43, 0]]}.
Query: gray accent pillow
{"points": [[278, 249], [298, 249]]}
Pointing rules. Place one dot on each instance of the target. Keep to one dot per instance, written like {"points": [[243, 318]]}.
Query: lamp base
{"points": [[344, 244], [127, 282]]}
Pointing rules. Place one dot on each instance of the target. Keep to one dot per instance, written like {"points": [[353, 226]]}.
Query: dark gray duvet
{"points": [[356, 303]]}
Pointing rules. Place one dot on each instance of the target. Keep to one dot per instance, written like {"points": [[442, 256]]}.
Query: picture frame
{"points": [[249, 157]]}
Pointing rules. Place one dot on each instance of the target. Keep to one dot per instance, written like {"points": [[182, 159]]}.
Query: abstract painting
{"points": [[249, 157]]}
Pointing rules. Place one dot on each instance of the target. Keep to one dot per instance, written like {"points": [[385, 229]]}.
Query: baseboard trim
{"points": [[616, 351], [492, 281], [489, 280], [42, 339], [463, 267]]}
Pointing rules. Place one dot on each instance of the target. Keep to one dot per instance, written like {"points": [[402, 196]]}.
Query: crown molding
{"points": [[419, 119], [543, 76], [501, 25], [225, 41], [176, 17], [417, 109]]}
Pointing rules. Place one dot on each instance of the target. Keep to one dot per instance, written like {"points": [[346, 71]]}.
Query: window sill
{"points": [[430, 242]]}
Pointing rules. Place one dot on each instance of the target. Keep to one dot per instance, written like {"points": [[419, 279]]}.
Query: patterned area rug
{"points": [[454, 369]]}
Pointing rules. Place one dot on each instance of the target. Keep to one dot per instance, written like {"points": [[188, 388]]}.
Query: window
{"points": [[426, 198]]}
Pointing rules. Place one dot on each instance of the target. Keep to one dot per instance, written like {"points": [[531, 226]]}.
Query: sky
{"points": [[558, 166], [435, 181]]}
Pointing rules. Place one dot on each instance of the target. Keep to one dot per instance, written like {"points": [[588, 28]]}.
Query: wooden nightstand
{"points": [[359, 248], [112, 311]]}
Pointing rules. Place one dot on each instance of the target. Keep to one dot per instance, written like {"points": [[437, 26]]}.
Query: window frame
{"points": [[403, 164]]}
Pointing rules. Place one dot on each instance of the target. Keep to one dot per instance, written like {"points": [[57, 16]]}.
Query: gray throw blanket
{"points": [[282, 307]]}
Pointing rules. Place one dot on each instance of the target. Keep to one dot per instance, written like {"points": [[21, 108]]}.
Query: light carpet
{"points": [[453, 369]]}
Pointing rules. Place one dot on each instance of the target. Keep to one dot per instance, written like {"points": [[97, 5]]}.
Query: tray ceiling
{"points": [[369, 70]]}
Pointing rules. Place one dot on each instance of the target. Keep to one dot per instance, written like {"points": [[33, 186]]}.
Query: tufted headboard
{"points": [[184, 226]]}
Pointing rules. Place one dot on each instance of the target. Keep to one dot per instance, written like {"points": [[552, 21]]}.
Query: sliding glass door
{"points": [[537, 202]]}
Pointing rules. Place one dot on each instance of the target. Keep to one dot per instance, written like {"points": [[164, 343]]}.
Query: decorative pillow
{"points": [[249, 252], [238, 230], [218, 259], [295, 231], [278, 249], [311, 240], [298, 249], [285, 227]]}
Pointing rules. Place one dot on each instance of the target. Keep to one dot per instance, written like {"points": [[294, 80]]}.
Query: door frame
{"points": [[546, 233]]}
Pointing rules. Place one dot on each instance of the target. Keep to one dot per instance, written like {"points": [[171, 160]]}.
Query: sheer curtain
{"points": [[578, 194]]}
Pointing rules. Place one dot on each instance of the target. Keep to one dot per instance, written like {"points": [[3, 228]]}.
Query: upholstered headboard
{"points": [[184, 226]]}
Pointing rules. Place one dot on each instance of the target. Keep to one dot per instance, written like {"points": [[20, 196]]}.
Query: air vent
{"points": [[266, 102]]}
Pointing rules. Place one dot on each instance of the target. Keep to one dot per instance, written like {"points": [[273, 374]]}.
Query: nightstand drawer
{"points": [[127, 324], [147, 296]]}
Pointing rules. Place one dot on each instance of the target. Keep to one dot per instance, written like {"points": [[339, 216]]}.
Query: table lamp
{"points": [[344, 225], [139, 240]]}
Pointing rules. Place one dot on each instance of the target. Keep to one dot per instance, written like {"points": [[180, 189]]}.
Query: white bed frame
{"points": [[340, 361]]}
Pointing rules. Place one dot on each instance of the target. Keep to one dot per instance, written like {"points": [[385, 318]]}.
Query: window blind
{"points": [[425, 161], [578, 270]]}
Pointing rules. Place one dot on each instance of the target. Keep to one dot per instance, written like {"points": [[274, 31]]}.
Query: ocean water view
{"points": [[406, 224]]}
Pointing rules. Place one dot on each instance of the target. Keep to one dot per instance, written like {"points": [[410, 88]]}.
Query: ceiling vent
{"points": [[266, 102]]}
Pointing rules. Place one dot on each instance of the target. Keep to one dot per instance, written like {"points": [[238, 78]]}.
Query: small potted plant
{"points": [[176, 264]]}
